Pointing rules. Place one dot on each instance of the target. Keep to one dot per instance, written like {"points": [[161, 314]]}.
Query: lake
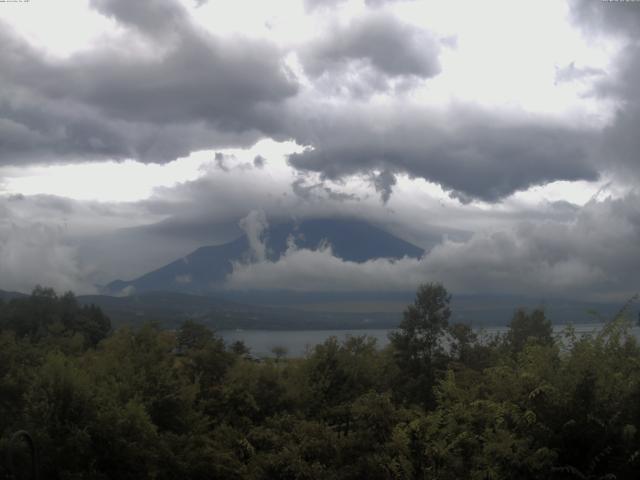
{"points": [[298, 342]]}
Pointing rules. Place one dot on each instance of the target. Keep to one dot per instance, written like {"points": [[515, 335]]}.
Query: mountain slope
{"points": [[205, 268]]}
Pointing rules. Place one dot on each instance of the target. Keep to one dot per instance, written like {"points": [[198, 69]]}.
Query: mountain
{"points": [[207, 267], [186, 288]]}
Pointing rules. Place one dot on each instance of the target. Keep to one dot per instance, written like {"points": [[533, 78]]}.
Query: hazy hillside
{"points": [[170, 309], [291, 311], [9, 295]]}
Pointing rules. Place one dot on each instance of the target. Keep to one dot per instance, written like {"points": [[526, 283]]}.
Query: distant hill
{"points": [[4, 295], [207, 267], [333, 311], [170, 309], [311, 311]]}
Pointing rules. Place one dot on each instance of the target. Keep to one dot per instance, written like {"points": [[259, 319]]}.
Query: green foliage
{"points": [[193, 336], [239, 348], [527, 327], [439, 403], [59, 320], [418, 343]]}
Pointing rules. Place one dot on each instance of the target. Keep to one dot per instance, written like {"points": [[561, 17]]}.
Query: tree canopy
{"points": [[440, 402]]}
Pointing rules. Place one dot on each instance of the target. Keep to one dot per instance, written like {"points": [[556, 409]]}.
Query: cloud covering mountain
{"points": [[509, 156]]}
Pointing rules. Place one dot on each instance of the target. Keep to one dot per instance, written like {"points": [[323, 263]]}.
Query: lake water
{"points": [[298, 342]]}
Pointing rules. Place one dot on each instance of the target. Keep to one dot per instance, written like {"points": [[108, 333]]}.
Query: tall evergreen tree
{"points": [[417, 342]]}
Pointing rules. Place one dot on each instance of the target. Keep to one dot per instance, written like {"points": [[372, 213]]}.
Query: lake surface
{"points": [[299, 342]]}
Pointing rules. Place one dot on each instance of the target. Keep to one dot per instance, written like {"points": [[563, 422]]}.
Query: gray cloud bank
{"points": [[379, 40], [189, 90], [560, 249], [177, 89], [620, 143], [165, 87], [595, 256], [37, 254], [473, 153]]}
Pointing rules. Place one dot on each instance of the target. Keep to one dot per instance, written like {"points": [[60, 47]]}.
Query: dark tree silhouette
{"points": [[417, 342]]}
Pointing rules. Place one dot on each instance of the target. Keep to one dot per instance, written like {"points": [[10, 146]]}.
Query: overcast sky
{"points": [[501, 136]]}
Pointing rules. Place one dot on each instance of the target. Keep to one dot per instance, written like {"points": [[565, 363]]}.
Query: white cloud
{"points": [[254, 226], [319, 270], [492, 59], [35, 254], [594, 255]]}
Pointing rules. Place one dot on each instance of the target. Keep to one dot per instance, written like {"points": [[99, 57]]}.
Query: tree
{"points": [[531, 327], [94, 324], [417, 342], [463, 338], [280, 352], [239, 348], [193, 335], [60, 319]]}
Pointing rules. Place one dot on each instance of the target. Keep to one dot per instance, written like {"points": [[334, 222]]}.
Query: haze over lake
{"points": [[300, 342]]}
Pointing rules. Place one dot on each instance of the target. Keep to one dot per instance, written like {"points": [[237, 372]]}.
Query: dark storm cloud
{"points": [[229, 84], [620, 141], [619, 18], [188, 90], [152, 17], [382, 41], [469, 152], [196, 91], [383, 183], [259, 161]]}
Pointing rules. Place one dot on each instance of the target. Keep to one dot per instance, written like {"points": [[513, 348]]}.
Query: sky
{"points": [[500, 136]]}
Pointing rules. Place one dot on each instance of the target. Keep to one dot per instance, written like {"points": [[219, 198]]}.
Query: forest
{"points": [[440, 402]]}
